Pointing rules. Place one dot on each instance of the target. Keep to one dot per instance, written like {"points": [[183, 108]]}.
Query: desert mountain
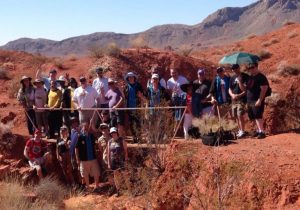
{"points": [[225, 25]]}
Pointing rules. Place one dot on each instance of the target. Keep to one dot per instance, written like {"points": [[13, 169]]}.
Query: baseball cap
{"points": [[37, 131], [99, 69], [113, 130], [53, 71], [82, 79]]}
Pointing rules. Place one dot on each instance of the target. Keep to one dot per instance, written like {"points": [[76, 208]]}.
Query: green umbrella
{"points": [[239, 58]]}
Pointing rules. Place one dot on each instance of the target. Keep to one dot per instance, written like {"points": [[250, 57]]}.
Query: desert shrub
{"points": [[50, 190], [13, 89], [139, 42], [9, 65], [185, 50], [274, 99], [161, 121], [96, 52], [4, 74], [251, 36], [274, 41], [72, 57], [266, 44], [264, 54], [285, 69], [292, 34], [112, 49], [36, 61], [209, 124], [274, 78], [288, 23], [59, 63]]}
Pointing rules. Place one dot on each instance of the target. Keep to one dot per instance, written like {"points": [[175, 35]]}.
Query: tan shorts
{"points": [[238, 109], [89, 168]]}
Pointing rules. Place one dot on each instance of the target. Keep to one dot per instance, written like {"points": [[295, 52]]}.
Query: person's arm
{"points": [[212, 92], [263, 90], [57, 154], [26, 150]]}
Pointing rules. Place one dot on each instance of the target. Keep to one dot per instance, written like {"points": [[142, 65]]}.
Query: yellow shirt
{"points": [[54, 98]]}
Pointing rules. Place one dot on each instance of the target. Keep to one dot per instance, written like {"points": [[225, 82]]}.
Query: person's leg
{"points": [[121, 123], [95, 172], [260, 125], [187, 123], [30, 126], [84, 173], [51, 120], [45, 121]]}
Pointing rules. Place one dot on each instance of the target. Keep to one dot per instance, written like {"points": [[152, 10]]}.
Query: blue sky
{"points": [[60, 19]]}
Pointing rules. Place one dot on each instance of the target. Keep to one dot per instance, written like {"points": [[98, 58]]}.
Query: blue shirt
{"points": [[74, 138]]}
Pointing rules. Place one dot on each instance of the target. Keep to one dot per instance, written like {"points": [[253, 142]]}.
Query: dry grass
{"points": [[274, 40], [292, 34], [274, 99], [209, 124], [285, 69], [264, 54], [9, 65], [59, 63], [49, 189]]}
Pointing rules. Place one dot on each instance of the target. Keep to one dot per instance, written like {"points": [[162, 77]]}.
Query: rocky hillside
{"points": [[225, 25]]}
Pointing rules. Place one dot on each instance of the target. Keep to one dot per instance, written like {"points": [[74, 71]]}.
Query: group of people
{"points": [[80, 146]]}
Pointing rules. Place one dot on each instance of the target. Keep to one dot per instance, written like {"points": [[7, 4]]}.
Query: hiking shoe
{"points": [[261, 135], [255, 134]]}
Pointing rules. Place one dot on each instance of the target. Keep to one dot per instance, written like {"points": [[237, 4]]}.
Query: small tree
{"points": [[112, 49], [96, 52], [139, 42]]}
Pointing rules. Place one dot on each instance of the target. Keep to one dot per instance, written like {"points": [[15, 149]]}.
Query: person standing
{"points": [[219, 92], [173, 85], [257, 87], [101, 86], [54, 116], [133, 93], [86, 156], [40, 101], [75, 131], [85, 97], [116, 100], [66, 100], [72, 86], [26, 99], [237, 91], [203, 91]]}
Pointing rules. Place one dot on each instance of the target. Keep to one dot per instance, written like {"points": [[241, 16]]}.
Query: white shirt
{"points": [[175, 85], [98, 84], [86, 98]]}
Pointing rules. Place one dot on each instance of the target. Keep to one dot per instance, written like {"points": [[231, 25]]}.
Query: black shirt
{"points": [[203, 91], [235, 88], [253, 86], [86, 147]]}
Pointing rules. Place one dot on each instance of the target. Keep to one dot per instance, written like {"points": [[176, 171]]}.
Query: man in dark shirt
{"points": [[86, 156], [203, 91], [257, 87], [237, 92]]}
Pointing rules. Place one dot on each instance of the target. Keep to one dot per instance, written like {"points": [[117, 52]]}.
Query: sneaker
{"points": [[255, 134], [261, 135], [241, 134]]}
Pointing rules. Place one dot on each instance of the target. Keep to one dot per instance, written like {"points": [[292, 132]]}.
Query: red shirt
{"points": [[35, 149]]}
